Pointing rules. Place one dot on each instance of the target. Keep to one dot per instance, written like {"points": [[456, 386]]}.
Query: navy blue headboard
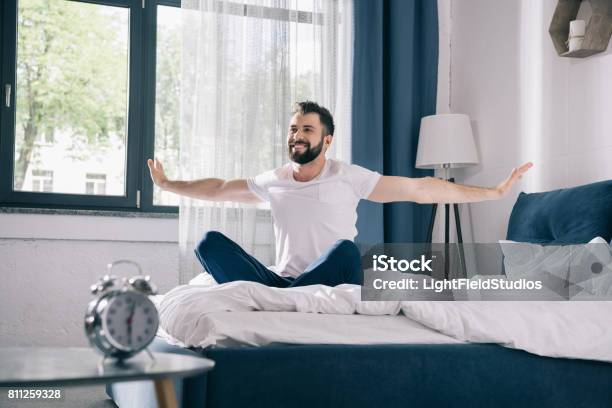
{"points": [[567, 216]]}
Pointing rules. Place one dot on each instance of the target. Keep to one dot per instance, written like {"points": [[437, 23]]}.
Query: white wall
{"points": [[526, 103], [48, 262]]}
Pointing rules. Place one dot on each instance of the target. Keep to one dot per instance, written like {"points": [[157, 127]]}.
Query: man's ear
{"points": [[328, 139]]}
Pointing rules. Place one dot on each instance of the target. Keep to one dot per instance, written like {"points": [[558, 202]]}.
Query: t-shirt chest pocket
{"points": [[304, 193], [336, 193]]}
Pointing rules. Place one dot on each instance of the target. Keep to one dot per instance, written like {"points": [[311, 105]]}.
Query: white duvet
{"points": [[556, 329]]}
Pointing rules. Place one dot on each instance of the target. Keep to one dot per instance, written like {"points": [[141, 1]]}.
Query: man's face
{"points": [[305, 139]]}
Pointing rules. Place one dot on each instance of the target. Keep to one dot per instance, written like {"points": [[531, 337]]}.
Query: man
{"points": [[313, 202]]}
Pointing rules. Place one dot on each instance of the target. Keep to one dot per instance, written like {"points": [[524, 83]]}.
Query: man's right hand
{"points": [[157, 173]]}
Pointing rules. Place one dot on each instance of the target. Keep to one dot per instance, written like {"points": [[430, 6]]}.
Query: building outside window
{"points": [[42, 180], [95, 183]]}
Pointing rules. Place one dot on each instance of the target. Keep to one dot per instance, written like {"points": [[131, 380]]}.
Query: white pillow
{"points": [[566, 269], [524, 259], [591, 267], [600, 250]]}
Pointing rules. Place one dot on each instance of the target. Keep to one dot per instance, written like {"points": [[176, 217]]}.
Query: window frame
{"points": [[148, 105], [140, 124]]}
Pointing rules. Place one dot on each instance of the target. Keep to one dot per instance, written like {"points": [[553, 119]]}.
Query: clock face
{"points": [[130, 321]]}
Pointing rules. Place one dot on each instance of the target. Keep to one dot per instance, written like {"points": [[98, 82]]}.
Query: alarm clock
{"points": [[121, 320]]}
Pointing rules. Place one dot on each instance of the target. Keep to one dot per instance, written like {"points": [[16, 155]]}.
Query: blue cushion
{"points": [[567, 216]]}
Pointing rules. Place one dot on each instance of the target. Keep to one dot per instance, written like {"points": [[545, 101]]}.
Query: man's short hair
{"points": [[326, 118]]}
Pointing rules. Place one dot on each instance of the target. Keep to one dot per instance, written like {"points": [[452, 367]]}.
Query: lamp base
{"points": [[447, 233]]}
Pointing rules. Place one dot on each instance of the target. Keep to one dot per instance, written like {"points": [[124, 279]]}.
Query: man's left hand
{"points": [[517, 173]]}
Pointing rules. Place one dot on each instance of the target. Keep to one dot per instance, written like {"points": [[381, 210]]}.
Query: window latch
{"points": [[137, 198], [7, 95]]}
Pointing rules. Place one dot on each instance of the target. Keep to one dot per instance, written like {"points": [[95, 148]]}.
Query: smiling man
{"points": [[313, 202]]}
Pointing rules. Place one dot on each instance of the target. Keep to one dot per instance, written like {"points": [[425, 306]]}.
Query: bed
{"points": [[417, 375], [402, 363]]}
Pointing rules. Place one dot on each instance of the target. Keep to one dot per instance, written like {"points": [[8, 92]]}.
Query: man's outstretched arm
{"points": [[428, 190], [211, 189]]}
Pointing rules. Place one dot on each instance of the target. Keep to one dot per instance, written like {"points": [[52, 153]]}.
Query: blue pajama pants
{"points": [[226, 261]]}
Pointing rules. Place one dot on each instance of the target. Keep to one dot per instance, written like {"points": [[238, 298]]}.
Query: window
{"points": [[167, 97], [95, 184], [72, 83], [42, 180], [90, 90], [73, 125]]}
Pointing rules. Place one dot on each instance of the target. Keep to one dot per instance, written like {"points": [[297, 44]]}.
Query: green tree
{"points": [[71, 74]]}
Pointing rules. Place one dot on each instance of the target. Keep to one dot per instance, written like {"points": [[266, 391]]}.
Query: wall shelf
{"points": [[598, 30]]}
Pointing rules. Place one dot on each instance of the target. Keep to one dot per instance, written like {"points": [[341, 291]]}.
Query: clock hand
{"points": [[129, 323]]}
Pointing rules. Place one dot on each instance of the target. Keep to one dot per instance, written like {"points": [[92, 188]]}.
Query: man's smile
{"points": [[298, 145]]}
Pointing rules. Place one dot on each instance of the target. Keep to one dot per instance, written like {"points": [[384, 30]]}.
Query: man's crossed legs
{"points": [[226, 261]]}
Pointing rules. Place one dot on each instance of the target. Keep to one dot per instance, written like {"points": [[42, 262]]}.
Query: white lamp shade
{"points": [[446, 141]]}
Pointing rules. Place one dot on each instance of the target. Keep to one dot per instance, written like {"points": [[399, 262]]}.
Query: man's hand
{"points": [[517, 173], [157, 173]]}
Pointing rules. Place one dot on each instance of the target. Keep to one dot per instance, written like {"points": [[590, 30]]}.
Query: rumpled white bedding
{"points": [[556, 329], [231, 329], [231, 325]]}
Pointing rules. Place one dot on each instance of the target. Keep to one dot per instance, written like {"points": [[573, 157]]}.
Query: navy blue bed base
{"points": [[414, 375]]}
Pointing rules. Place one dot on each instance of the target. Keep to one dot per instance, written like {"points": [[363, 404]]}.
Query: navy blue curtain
{"points": [[395, 81]]}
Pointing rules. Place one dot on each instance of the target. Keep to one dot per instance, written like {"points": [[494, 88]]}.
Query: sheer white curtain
{"points": [[244, 63]]}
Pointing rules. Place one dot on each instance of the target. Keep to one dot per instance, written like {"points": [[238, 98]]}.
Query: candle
{"points": [[577, 28], [576, 36]]}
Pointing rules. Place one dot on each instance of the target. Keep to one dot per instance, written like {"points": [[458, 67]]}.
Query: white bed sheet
{"points": [[260, 328], [249, 313]]}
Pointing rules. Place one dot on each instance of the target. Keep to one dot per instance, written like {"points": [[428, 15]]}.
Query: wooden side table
{"points": [[68, 366]]}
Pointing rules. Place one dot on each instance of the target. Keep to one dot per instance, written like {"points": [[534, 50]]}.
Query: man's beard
{"points": [[308, 154]]}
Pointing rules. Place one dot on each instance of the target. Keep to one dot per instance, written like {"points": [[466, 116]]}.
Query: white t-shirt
{"points": [[309, 217]]}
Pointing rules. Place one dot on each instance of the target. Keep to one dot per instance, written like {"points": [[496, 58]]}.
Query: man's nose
{"points": [[296, 136]]}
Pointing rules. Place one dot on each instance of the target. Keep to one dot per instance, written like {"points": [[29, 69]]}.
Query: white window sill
{"points": [[87, 225]]}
